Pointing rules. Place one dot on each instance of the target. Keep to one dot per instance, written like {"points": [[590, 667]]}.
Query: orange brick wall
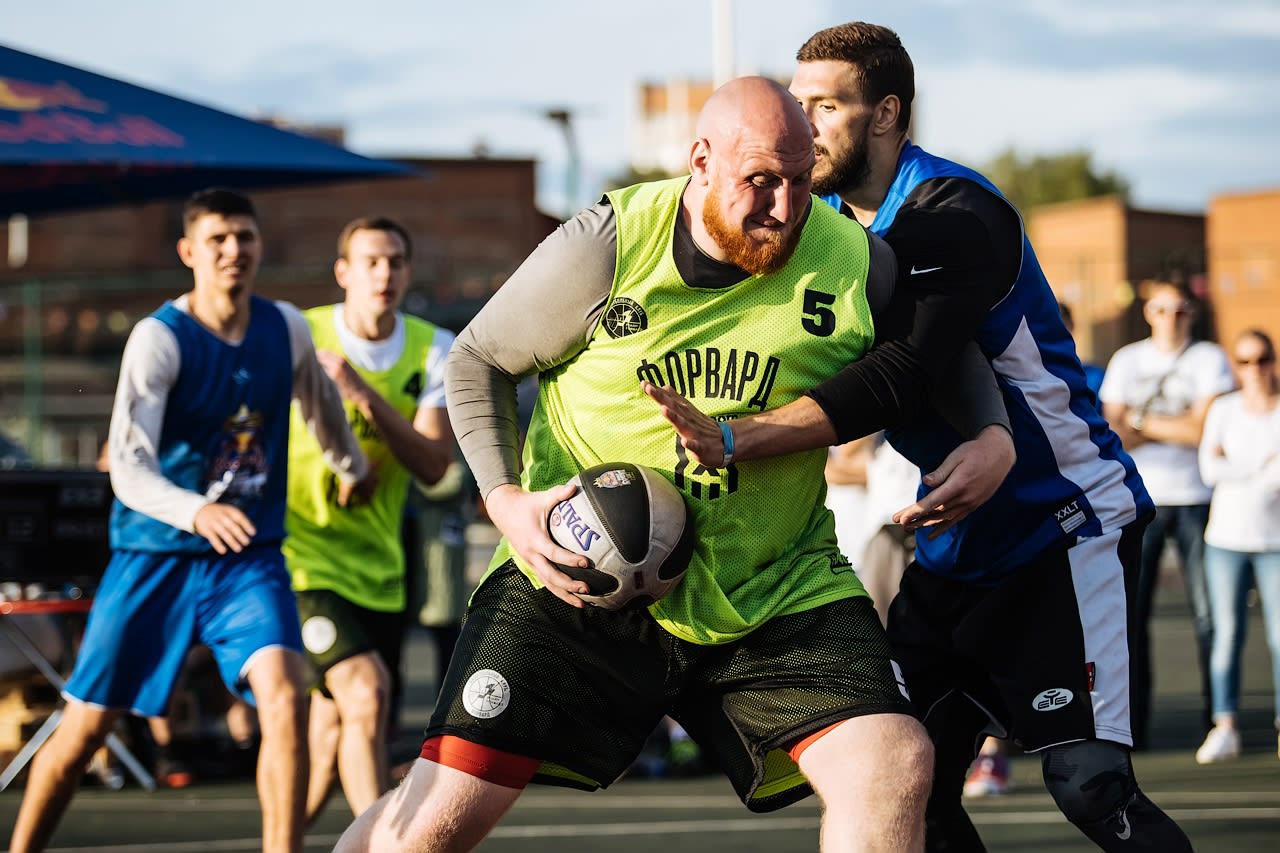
{"points": [[1081, 249], [1244, 262], [1097, 253]]}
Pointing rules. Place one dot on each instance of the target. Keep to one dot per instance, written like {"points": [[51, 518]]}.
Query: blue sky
{"points": [[1177, 96]]}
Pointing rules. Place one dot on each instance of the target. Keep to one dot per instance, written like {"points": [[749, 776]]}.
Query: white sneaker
{"points": [[1221, 744]]}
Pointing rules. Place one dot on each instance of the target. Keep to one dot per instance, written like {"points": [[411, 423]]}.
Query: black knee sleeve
{"points": [[1092, 782]]}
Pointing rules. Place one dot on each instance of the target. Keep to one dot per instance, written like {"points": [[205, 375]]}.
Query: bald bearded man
{"points": [[733, 285]]}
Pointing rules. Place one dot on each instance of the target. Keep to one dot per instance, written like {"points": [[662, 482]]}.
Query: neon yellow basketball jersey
{"points": [[354, 551], [766, 542]]}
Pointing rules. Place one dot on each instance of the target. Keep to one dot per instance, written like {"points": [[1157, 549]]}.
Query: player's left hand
{"points": [[699, 434], [225, 526], [351, 385], [966, 478]]}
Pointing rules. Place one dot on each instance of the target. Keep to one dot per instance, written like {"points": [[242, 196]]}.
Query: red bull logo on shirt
{"points": [[238, 473]]}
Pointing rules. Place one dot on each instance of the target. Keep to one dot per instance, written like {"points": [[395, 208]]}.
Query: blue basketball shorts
{"points": [[151, 608]]}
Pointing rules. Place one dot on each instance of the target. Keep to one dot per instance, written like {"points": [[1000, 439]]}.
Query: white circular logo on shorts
{"points": [[486, 695], [1053, 699], [319, 634]]}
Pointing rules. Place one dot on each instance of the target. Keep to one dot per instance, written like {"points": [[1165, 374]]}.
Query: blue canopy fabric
{"points": [[72, 139]]}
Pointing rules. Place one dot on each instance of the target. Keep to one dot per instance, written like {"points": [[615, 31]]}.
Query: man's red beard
{"points": [[767, 253]]}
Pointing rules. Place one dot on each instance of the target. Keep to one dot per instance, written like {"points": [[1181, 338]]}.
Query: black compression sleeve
{"points": [[959, 249]]}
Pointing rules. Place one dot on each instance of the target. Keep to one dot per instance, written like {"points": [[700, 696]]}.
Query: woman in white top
{"points": [[1240, 459]]}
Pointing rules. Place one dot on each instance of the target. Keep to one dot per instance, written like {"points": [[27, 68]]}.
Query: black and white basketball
{"points": [[633, 526]]}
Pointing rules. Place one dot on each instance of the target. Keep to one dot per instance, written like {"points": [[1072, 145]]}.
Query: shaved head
{"points": [[756, 109], [750, 165]]}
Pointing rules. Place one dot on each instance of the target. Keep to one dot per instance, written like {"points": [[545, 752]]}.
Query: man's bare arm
{"points": [[798, 426], [424, 454]]}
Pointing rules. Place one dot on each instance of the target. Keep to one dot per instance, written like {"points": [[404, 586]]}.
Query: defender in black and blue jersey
{"points": [[1015, 618]]}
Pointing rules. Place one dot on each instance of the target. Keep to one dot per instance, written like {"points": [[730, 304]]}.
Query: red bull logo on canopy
{"points": [[59, 113], [26, 96]]}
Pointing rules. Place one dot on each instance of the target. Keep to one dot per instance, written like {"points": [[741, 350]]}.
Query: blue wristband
{"points": [[727, 435]]}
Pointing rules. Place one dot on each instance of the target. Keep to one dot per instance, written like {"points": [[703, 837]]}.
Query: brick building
{"points": [[664, 124], [1097, 254], [89, 276], [1244, 262]]}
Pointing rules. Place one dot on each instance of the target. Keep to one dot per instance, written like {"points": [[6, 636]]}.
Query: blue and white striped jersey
{"points": [[1072, 477]]}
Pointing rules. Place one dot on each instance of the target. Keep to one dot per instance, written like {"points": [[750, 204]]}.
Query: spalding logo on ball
{"points": [[632, 525]]}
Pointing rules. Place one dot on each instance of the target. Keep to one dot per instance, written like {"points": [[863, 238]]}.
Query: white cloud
{"points": [[1176, 133], [407, 77], [1205, 18], [984, 106]]}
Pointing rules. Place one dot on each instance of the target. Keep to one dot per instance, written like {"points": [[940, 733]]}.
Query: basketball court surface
{"points": [[1233, 806]]}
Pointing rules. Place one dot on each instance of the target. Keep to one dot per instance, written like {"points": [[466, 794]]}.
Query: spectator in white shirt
{"points": [[1155, 394]]}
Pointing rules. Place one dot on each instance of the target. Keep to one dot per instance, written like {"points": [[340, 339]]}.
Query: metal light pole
{"points": [[564, 118], [722, 42]]}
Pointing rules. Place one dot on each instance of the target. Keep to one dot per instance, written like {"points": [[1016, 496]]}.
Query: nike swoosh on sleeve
{"points": [[915, 271]]}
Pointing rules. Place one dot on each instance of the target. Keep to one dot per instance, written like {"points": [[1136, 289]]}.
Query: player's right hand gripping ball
{"points": [[634, 528]]}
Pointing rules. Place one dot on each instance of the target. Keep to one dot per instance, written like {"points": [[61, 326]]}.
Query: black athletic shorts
{"points": [[334, 629], [581, 689], [1045, 655]]}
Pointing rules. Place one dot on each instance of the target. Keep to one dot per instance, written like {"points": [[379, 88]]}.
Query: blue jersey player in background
{"points": [[1014, 620], [198, 450]]}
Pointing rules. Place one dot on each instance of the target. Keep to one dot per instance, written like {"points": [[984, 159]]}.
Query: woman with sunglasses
{"points": [[1240, 458]]}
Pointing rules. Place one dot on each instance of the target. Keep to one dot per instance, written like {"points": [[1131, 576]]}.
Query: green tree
{"points": [[1036, 180], [632, 176]]}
